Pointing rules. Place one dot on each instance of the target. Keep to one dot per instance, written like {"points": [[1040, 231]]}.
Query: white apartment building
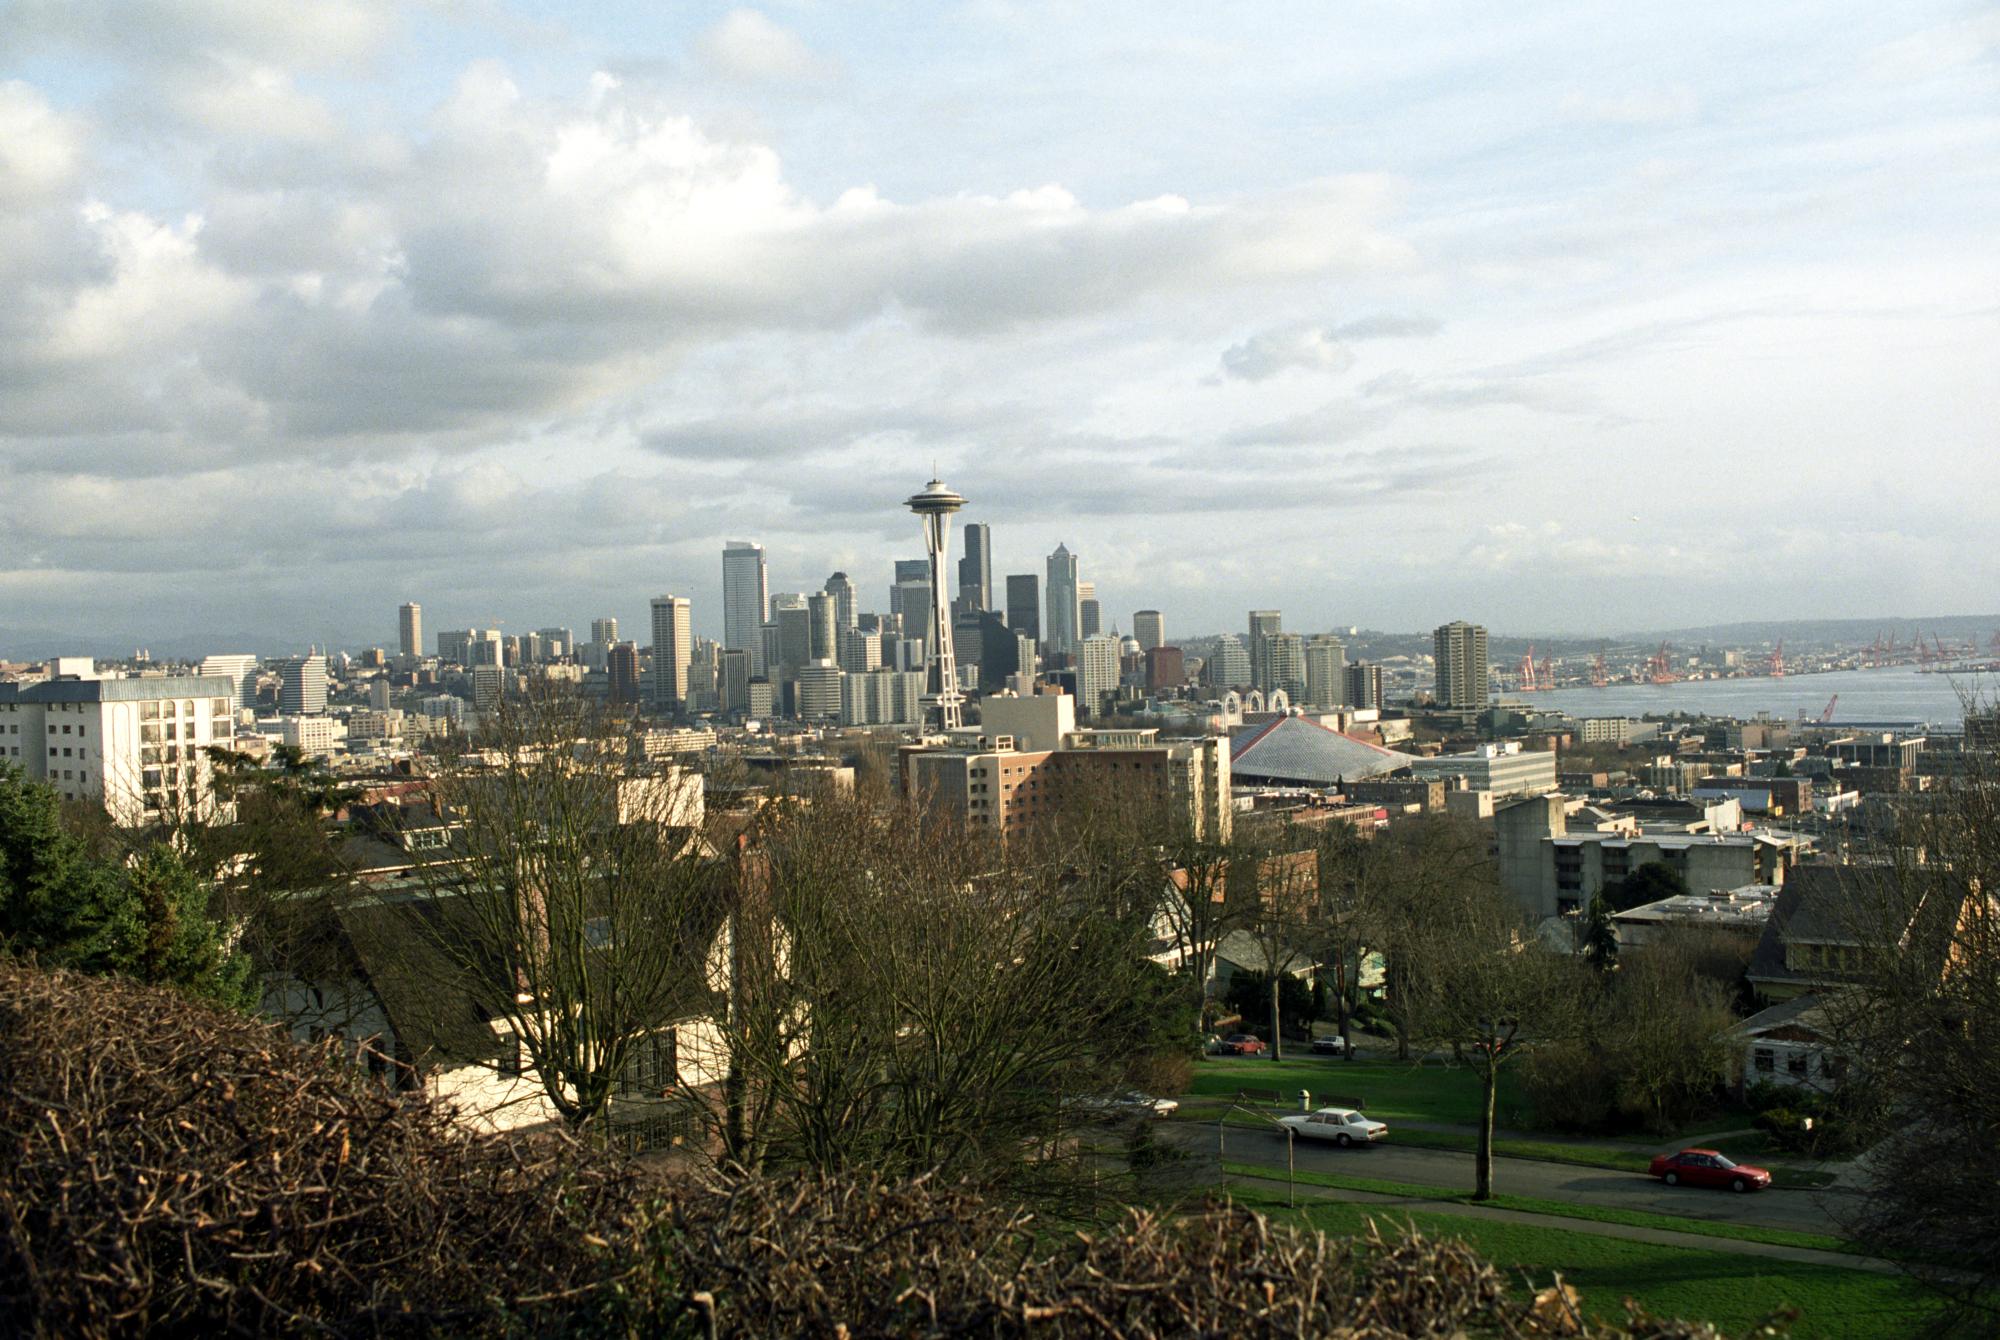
{"points": [[138, 746], [1504, 769], [882, 698], [1096, 672], [315, 737], [238, 670]]}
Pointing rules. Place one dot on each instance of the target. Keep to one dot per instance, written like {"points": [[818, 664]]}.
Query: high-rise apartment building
{"points": [[845, 612], [1461, 664], [1150, 628], [975, 567], [816, 691], [604, 631], [746, 595], [1096, 672], [673, 649], [1364, 685], [1229, 664], [860, 650], [1287, 655], [410, 630], [301, 685], [240, 671], [1326, 672], [1064, 629], [1024, 605]]}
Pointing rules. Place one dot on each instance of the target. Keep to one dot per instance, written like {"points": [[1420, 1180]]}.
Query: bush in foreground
{"points": [[167, 1168]]}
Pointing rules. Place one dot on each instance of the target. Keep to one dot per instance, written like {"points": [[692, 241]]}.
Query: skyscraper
{"points": [[746, 594], [673, 648], [1264, 626], [1096, 672], [621, 668], [1229, 665], [410, 627], [301, 685], [1065, 625], [822, 612], [1326, 671], [1089, 614], [240, 671], [604, 631], [1024, 605], [975, 569], [1364, 685], [842, 591], [1150, 628], [1461, 664], [934, 507]]}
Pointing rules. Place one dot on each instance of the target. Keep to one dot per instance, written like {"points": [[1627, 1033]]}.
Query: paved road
{"points": [[1805, 1211]]}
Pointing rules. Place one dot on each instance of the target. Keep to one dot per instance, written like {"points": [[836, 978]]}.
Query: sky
{"points": [[1559, 317]]}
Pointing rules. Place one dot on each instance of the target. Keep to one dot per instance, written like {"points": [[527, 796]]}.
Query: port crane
{"points": [[1660, 668]]}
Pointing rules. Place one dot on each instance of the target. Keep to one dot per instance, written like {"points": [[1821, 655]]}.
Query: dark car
{"points": [[1242, 1044], [1708, 1167]]}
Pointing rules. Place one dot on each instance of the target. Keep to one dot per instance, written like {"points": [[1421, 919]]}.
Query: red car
{"points": [[1242, 1044], [1708, 1167]]}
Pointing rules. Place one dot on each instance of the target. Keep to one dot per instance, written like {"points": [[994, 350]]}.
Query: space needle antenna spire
{"points": [[934, 507]]}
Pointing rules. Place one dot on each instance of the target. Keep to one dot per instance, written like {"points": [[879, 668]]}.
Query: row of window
{"points": [[1764, 1060]]}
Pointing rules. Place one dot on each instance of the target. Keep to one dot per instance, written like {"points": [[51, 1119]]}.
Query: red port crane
{"points": [[1598, 677], [1827, 715], [1778, 661], [1660, 668], [1529, 683]]}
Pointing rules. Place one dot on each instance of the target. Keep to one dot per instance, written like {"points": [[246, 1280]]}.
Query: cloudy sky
{"points": [[1560, 317]]}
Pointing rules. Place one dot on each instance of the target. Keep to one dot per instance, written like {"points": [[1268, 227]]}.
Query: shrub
{"points": [[172, 1168]]}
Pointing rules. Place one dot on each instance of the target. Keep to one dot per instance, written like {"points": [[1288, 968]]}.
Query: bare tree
{"points": [[1274, 892], [1920, 1032], [573, 904]]}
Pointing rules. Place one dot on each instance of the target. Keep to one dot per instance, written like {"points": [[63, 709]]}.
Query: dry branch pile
{"points": [[169, 1167], [857, 1258]]}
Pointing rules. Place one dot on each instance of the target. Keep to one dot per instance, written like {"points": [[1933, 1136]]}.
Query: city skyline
{"points": [[1462, 317]]}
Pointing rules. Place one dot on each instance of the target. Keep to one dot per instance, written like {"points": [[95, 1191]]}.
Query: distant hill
{"points": [[1850, 632]]}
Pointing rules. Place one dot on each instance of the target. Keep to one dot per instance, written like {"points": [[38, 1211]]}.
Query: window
{"points": [[1766, 1061], [651, 1063], [511, 1060]]}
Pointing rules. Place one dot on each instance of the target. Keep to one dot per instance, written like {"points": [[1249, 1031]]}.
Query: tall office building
{"points": [[1364, 685], [1024, 605], [1326, 672], [621, 668], [410, 627], [734, 674], [1089, 614], [823, 614], [1065, 625], [746, 595], [792, 643], [975, 568], [842, 590], [557, 643], [1461, 664], [301, 685], [673, 648], [604, 631], [240, 671], [1264, 626], [1150, 628]]}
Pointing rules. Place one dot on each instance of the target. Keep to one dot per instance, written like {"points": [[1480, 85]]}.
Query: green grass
{"points": [[1707, 1228], [1733, 1291], [1589, 1156], [1387, 1090]]}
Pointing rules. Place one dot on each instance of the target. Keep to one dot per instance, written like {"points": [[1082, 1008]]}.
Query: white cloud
{"points": [[1271, 352], [39, 147], [747, 45]]}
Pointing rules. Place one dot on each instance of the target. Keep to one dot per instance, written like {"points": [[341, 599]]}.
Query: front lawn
{"points": [[1733, 1291], [1387, 1090]]}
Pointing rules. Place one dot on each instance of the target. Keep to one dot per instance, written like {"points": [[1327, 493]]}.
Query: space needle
{"points": [[935, 506]]}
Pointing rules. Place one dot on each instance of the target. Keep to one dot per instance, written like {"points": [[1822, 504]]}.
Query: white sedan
{"points": [[1342, 1125]]}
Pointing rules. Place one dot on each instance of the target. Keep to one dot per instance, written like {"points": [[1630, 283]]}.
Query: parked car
{"points": [[1242, 1044], [1130, 1103], [1342, 1125], [1331, 1045], [1708, 1167]]}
